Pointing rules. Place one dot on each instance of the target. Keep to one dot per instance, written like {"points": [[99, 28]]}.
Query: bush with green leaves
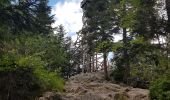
{"points": [[160, 89], [23, 71]]}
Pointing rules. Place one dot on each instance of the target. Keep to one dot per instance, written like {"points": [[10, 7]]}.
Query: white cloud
{"points": [[118, 37], [69, 14]]}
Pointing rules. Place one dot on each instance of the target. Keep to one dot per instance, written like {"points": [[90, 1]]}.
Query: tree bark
{"points": [[93, 63], [126, 57], [96, 63], [89, 63], [84, 66], [105, 65]]}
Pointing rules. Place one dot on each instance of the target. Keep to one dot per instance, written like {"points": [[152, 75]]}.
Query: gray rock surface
{"points": [[92, 86]]}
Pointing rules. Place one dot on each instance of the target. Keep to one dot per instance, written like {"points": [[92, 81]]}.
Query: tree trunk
{"points": [[168, 28], [168, 10], [105, 65], [93, 63], [96, 63], [89, 63], [126, 61], [84, 66]]}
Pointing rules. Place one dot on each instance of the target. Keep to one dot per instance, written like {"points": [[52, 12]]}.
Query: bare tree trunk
{"points": [[126, 61], [88, 63], [84, 67], [93, 63], [105, 65], [96, 63]]}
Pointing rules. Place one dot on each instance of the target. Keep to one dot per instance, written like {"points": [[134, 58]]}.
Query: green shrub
{"points": [[24, 77], [118, 75], [119, 71], [160, 89], [50, 80]]}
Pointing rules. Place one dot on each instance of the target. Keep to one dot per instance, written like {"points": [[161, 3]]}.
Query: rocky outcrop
{"points": [[92, 86]]}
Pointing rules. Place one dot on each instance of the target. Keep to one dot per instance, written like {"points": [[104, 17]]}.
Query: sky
{"points": [[69, 14]]}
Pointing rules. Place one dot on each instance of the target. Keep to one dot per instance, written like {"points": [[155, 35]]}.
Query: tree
{"points": [[140, 25], [121, 8], [29, 15], [60, 32], [43, 17], [98, 28]]}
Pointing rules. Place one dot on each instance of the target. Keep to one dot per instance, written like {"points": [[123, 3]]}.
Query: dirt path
{"points": [[92, 86]]}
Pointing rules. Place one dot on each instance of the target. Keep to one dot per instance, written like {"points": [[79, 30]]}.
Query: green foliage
{"points": [[138, 40], [99, 25], [49, 80], [20, 15], [43, 17], [29, 55], [146, 59], [28, 76], [160, 89], [13, 60], [103, 46], [118, 74], [116, 46], [119, 69]]}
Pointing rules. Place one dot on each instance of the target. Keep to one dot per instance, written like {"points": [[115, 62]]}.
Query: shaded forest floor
{"points": [[92, 86]]}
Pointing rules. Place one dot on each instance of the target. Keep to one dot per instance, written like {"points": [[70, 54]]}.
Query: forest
{"points": [[36, 58]]}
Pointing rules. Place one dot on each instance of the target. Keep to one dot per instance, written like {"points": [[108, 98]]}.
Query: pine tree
{"points": [[60, 32], [138, 19], [26, 15], [121, 9], [43, 17], [99, 27]]}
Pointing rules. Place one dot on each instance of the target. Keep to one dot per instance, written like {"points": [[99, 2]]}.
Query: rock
{"points": [[92, 86], [50, 96]]}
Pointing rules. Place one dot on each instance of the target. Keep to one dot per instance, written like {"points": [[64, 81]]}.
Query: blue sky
{"points": [[54, 2]]}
